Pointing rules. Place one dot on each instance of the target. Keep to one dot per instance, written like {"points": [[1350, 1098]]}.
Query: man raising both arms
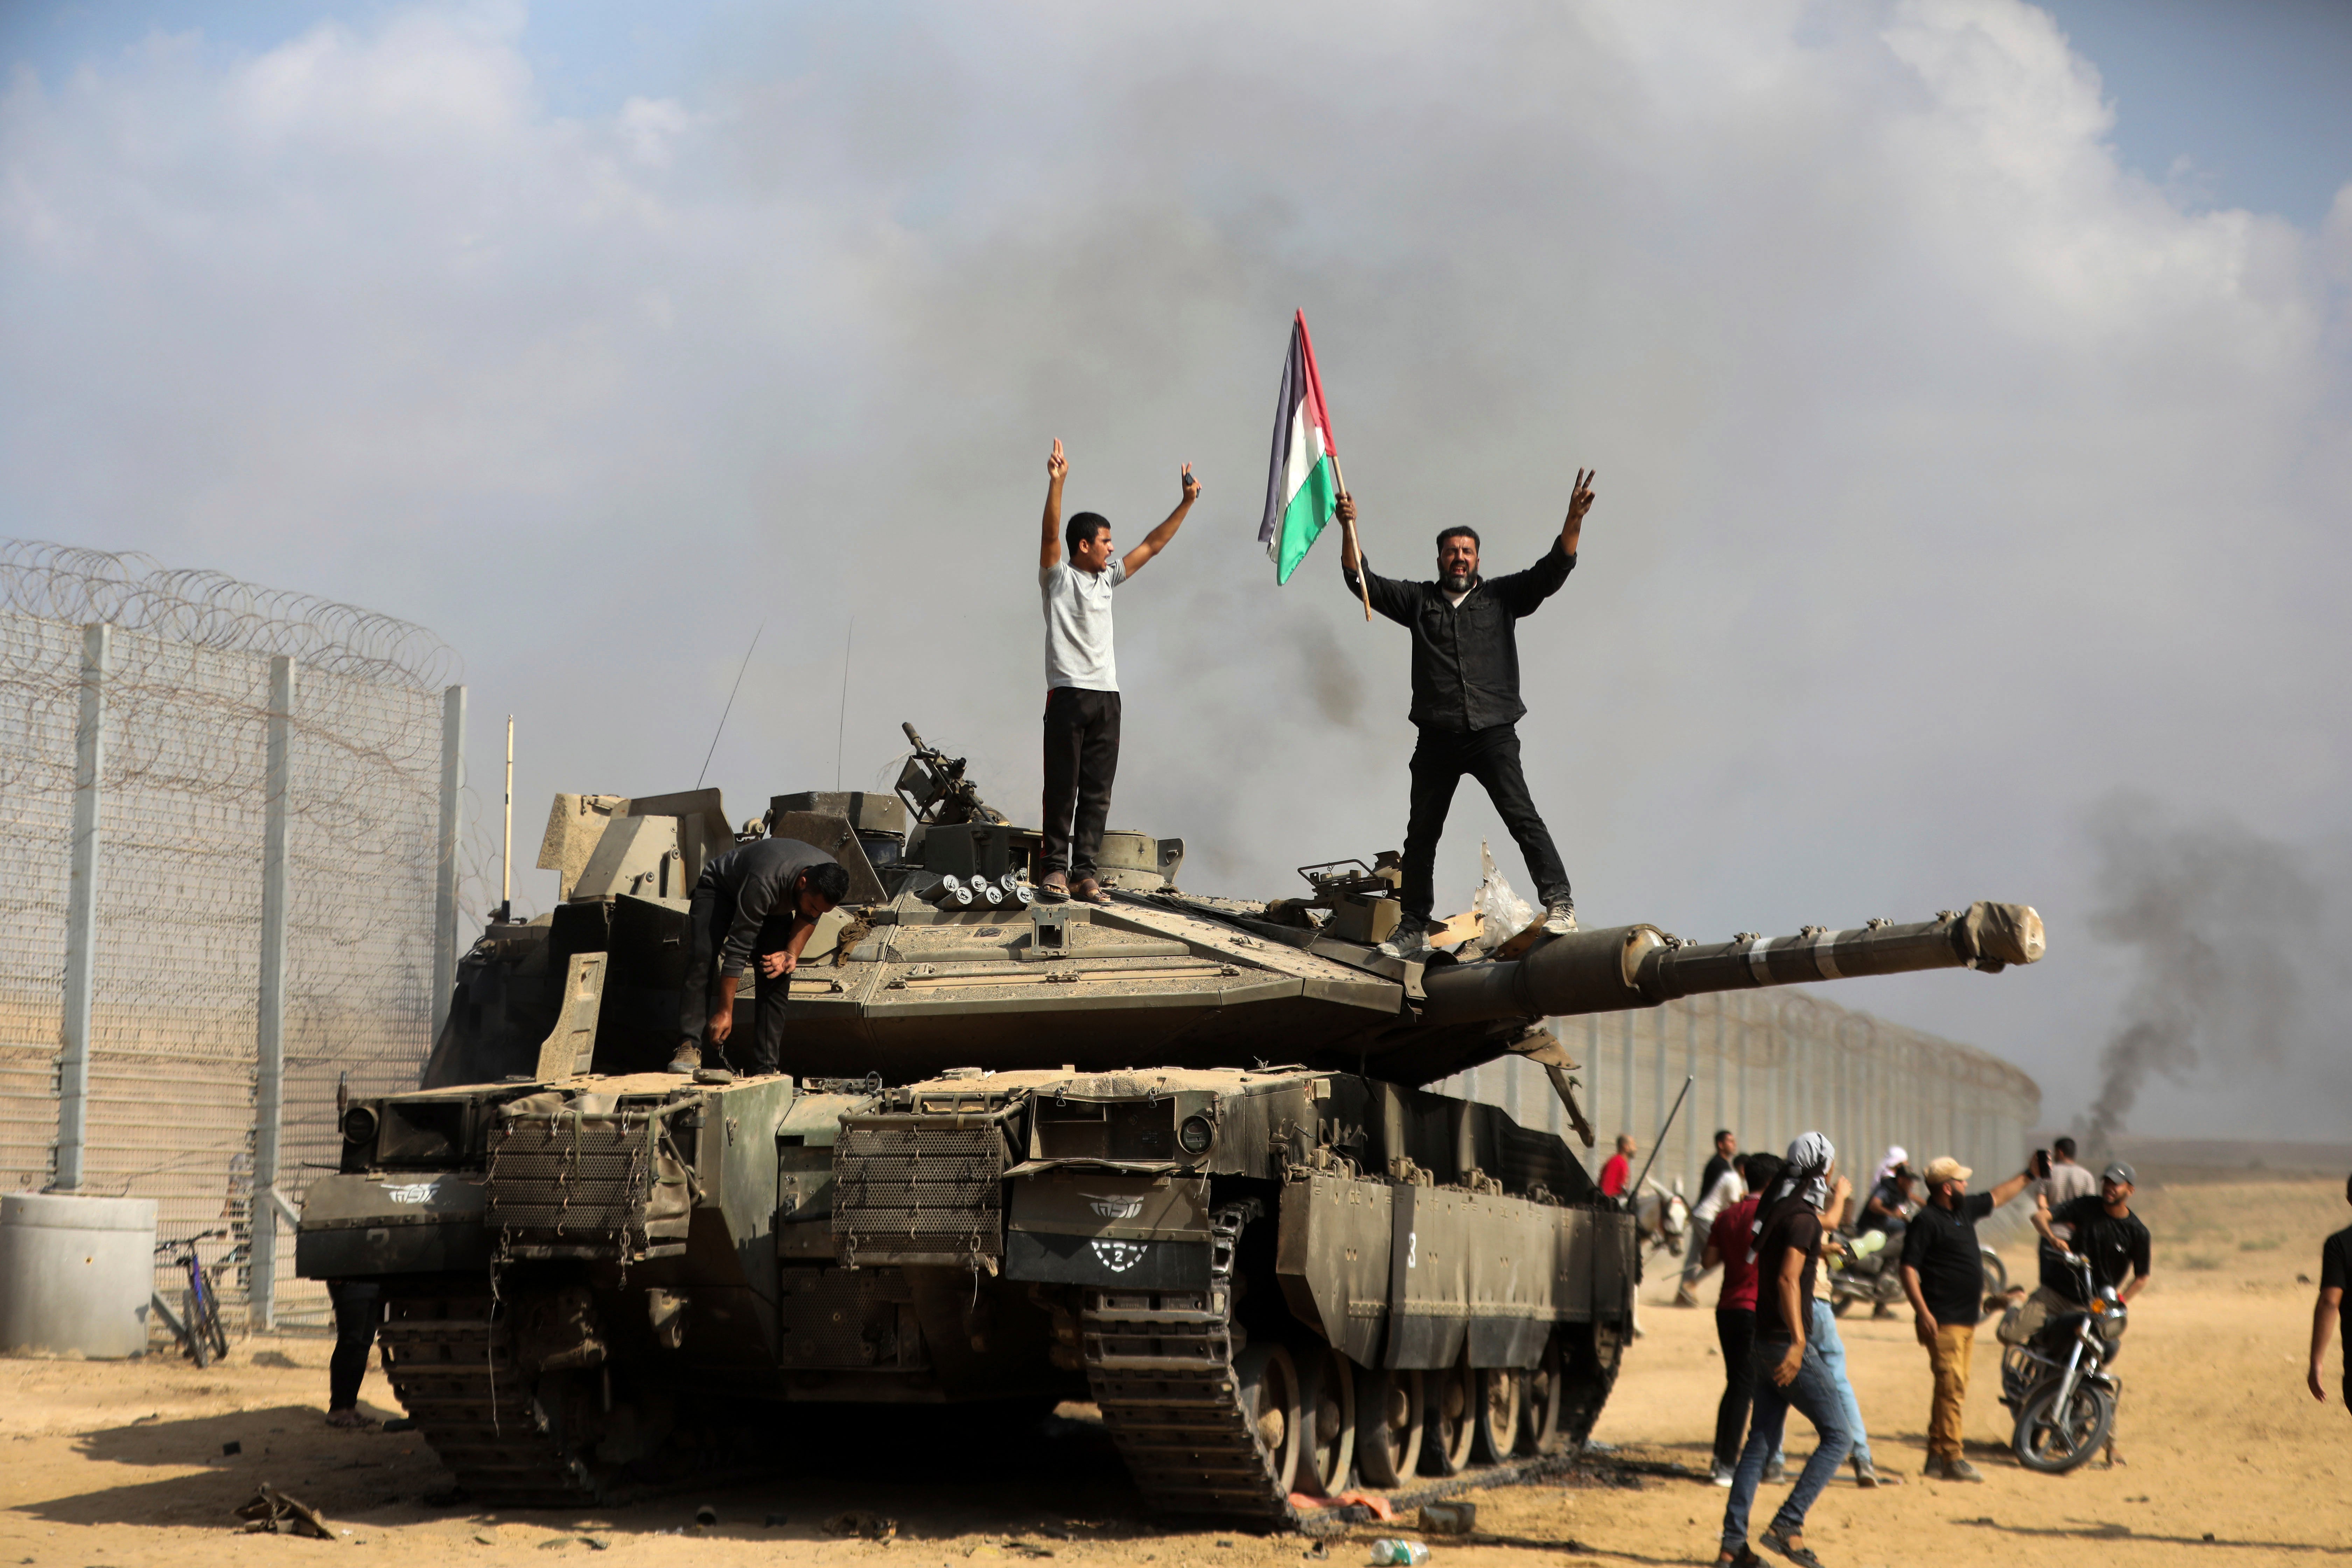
{"points": [[1465, 701], [1082, 681]]}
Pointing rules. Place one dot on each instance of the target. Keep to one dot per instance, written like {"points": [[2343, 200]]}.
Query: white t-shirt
{"points": [[1728, 1189], [1077, 625]]}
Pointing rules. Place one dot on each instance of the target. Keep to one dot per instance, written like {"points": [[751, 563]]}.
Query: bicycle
{"points": [[198, 1328]]}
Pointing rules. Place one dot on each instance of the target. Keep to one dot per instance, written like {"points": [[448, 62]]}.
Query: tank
{"points": [[1171, 1156]]}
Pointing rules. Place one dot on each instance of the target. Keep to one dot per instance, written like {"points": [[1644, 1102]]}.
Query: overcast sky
{"points": [[1968, 386]]}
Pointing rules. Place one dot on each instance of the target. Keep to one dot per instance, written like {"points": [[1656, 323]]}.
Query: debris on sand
{"points": [[863, 1525], [272, 1512]]}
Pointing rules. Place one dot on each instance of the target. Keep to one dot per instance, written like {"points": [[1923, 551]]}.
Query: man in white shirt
{"points": [[1082, 681], [1726, 1190]]}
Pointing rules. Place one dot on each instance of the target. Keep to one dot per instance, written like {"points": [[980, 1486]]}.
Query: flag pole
{"points": [[1364, 584]]}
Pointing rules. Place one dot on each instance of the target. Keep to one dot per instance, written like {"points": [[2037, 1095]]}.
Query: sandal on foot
{"points": [[1802, 1556], [1746, 1559]]}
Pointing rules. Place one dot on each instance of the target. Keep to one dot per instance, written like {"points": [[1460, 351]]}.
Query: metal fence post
{"points": [[445, 875], [269, 1032], [81, 910]]}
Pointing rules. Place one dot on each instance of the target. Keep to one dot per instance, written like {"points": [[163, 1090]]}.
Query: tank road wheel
{"points": [[1326, 1398], [1388, 1426], [1539, 1419], [1589, 1356], [1269, 1391], [1502, 1399], [1453, 1419]]}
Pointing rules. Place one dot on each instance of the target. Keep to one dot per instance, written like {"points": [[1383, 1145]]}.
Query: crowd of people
{"points": [[1771, 1225]]}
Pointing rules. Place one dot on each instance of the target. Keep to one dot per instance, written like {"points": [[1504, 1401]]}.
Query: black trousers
{"points": [[1735, 1330], [709, 914], [1492, 757], [1081, 761], [359, 1306]]}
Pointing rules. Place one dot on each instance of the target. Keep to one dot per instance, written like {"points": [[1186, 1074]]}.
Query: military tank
{"points": [[1170, 1155]]}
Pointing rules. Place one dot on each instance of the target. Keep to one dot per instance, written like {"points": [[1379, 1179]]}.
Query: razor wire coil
{"points": [[176, 961]]}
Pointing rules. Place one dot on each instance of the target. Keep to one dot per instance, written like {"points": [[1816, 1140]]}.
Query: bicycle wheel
{"points": [[200, 1342], [2052, 1441]]}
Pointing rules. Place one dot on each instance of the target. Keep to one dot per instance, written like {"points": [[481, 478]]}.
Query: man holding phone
{"points": [[1943, 1273]]}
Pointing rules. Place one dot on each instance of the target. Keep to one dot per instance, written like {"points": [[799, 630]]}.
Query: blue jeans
{"points": [[1814, 1394], [1825, 1343]]}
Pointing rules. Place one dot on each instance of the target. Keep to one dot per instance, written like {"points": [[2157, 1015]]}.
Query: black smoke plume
{"points": [[2220, 923]]}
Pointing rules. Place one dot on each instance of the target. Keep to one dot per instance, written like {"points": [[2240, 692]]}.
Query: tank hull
{"points": [[582, 1270]]}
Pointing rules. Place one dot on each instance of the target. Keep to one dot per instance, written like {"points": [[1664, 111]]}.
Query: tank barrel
{"points": [[1624, 967]]}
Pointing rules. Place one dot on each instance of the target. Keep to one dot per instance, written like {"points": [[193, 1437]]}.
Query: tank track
{"points": [[453, 1367], [1160, 1365]]}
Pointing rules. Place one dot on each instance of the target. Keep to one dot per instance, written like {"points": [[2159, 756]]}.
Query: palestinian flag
{"points": [[1302, 486]]}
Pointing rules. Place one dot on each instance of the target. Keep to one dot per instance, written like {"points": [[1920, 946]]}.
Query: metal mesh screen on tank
{"points": [[175, 954], [1769, 1065]]}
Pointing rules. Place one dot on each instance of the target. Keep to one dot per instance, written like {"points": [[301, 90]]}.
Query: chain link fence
{"points": [[1769, 1065], [176, 932]]}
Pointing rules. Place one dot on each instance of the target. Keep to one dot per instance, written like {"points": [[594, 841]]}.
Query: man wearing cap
{"points": [[2102, 1228], [1943, 1273]]}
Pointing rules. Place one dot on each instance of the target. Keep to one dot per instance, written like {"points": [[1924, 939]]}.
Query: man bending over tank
{"points": [[1465, 701], [1082, 681], [754, 907]]}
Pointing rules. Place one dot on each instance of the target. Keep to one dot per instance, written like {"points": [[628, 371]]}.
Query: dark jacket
{"points": [[757, 879], [1465, 660]]}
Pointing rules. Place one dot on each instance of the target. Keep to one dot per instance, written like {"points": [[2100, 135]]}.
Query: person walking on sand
{"points": [[1735, 1314], [1718, 1188], [1827, 1346], [1082, 701], [1787, 1250], [2334, 1273]]}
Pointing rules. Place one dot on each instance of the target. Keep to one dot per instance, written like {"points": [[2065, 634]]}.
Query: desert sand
{"points": [[2228, 1458]]}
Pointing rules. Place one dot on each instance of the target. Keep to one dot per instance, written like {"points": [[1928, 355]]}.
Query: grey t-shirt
{"points": [[1077, 625], [2065, 1185]]}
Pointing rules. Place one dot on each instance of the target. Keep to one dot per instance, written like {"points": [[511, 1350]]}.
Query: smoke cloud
{"points": [[2227, 947], [1950, 474]]}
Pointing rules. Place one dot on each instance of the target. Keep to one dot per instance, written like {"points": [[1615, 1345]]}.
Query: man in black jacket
{"points": [[1465, 699], [754, 907]]}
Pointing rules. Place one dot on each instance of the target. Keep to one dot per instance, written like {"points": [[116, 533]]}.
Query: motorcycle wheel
{"points": [[1838, 1304], [2052, 1441], [1996, 1285]]}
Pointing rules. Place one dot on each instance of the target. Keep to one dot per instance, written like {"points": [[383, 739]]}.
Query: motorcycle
{"points": [[2057, 1383], [1866, 1268]]}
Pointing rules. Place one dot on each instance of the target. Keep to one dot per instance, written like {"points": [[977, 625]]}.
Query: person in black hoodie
{"points": [[1465, 701]]}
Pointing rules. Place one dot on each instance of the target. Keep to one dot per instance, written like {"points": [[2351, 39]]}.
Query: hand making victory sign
{"points": [[1580, 501]]}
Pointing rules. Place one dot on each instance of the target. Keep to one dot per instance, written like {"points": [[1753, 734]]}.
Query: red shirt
{"points": [[1731, 1238], [1614, 1173]]}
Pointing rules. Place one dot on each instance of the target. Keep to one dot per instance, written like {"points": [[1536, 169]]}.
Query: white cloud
{"points": [[1951, 475]]}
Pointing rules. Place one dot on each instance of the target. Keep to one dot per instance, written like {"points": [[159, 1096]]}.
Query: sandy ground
{"points": [[2228, 1459]]}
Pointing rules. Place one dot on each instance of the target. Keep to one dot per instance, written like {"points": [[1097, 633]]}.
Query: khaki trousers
{"points": [[1949, 1356]]}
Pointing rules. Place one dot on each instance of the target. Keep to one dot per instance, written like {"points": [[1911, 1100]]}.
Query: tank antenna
{"points": [[506, 851], [848, 641], [730, 708], [1663, 1129]]}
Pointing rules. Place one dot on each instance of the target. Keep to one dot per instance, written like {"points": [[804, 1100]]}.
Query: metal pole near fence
{"points": [[269, 1032], [444, 884], [81, 910]]}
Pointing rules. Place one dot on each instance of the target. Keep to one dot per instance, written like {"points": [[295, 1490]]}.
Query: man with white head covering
{"points": [[1787, 1250], [1942, 1274]]}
